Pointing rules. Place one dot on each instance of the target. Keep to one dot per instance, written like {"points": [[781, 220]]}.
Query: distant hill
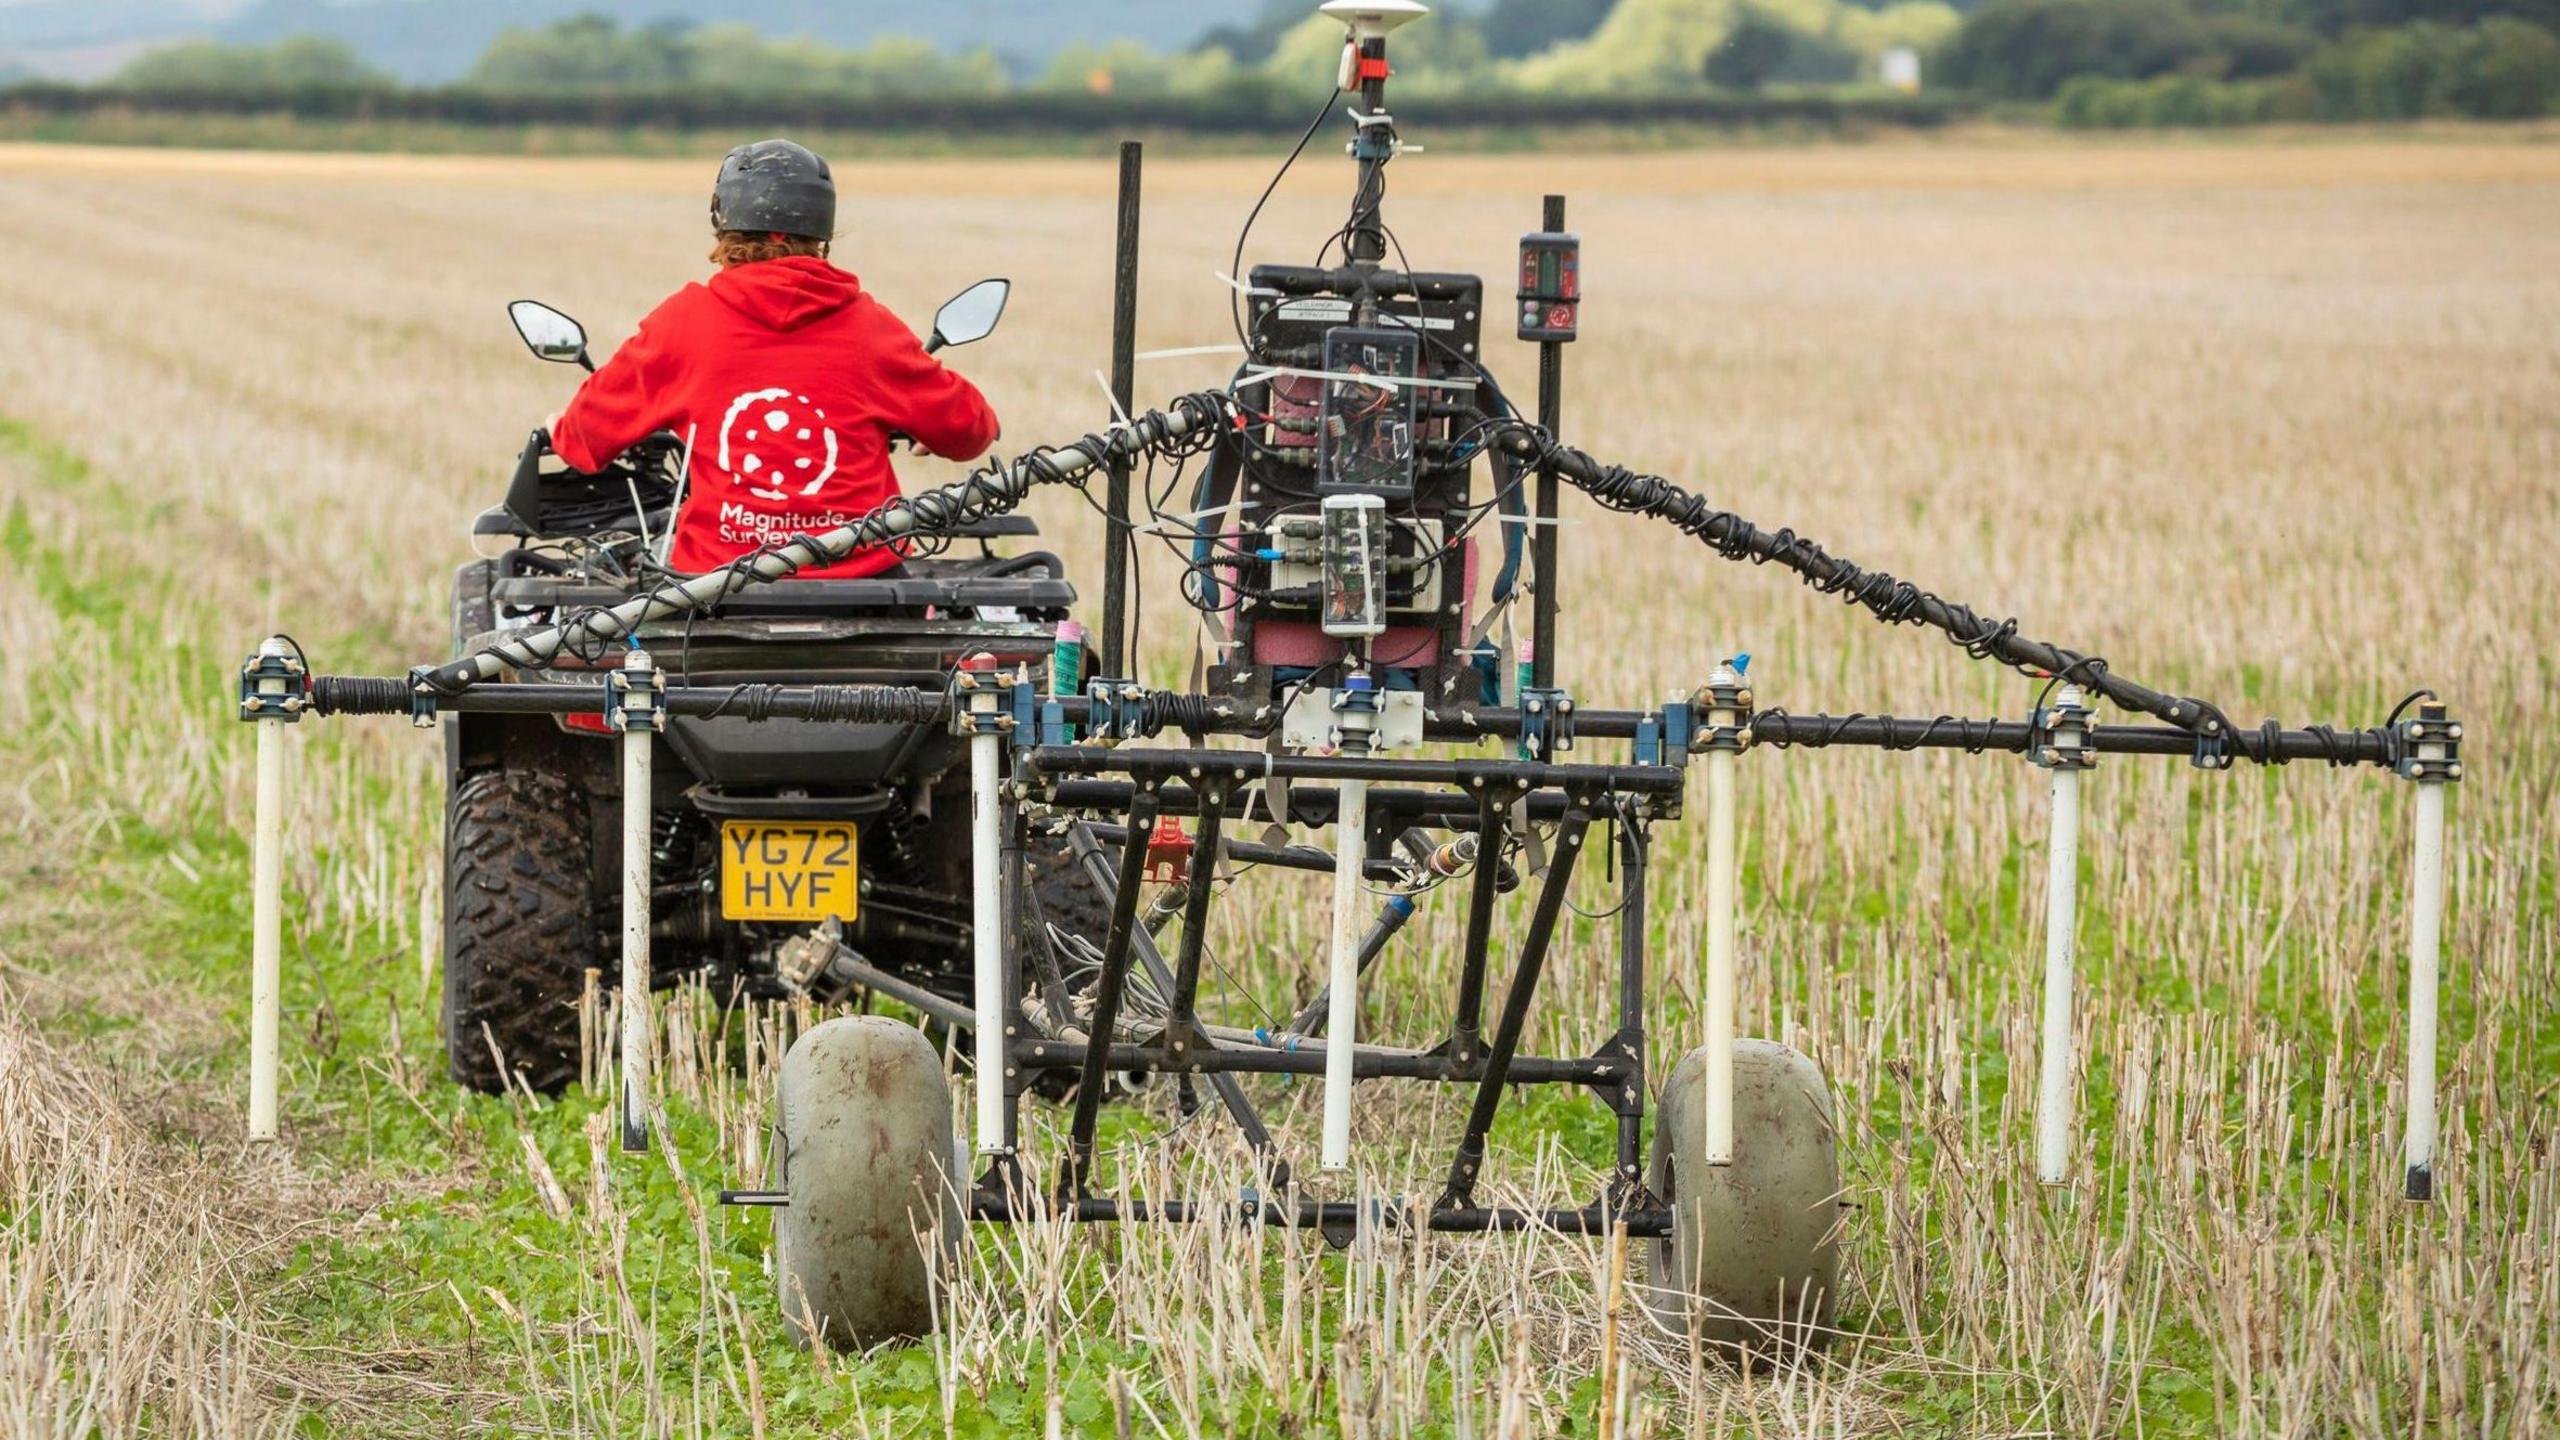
{"points": [[431, 41]]}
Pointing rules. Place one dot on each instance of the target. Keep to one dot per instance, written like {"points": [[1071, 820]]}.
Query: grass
{"points": [[2268, 423]]}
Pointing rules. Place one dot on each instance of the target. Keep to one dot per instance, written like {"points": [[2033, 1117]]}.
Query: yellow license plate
{"points": [[787, 870]]}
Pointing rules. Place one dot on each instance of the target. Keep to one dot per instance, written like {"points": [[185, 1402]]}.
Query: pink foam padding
{"points": [[1304, 643], [1295, 397]]}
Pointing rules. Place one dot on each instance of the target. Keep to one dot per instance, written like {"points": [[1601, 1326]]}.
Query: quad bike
{"points": [[1007, 818], [533, 839]]}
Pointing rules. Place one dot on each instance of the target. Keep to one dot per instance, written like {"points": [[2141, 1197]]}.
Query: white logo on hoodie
{"points": [[773, 439]]}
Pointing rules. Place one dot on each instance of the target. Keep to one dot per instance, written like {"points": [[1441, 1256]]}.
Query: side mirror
{"points": [[549, 334], [968, 316]]}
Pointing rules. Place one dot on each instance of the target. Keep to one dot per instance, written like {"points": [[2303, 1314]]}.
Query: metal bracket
{"points": [[423, 706], [1312, 720], [1116, 710], [273, 685], [1359, 710], [1051, 728], [1373, 136], [1546, 722], [2430, 726], [1031, 719], [635, 697], [1623, 1092], [979, 697], [1664, 738], [2213, 751], [2058, 737], [1722, 695]]}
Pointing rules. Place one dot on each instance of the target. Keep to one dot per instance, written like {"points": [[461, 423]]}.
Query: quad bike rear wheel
{"points": [[862, 1135], [1753, 1258], [518, 927]]}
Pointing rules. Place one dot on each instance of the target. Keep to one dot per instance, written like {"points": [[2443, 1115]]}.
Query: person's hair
{"points": [[746, 247]]}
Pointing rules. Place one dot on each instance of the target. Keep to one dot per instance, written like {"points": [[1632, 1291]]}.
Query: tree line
{"points": [[2210, 62], [2083, 62]]}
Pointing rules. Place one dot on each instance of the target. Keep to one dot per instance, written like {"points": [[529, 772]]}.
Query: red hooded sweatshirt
{"points": [[789, 380]]}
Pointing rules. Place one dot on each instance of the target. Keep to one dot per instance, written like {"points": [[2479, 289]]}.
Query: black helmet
{"points": [[774, 187]]}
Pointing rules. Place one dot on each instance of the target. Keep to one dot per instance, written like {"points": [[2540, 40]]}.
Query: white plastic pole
{"points": [[1722, 884], [987, 934], [266, 925], [637, 740], [2426, 931], [1343, 1008], [2061, 909]]}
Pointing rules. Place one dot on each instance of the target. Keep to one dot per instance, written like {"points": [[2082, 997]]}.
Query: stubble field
{"points": [[2274, 424]]}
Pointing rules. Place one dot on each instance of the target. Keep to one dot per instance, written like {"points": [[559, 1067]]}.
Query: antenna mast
{"points": [[1364, 68]]}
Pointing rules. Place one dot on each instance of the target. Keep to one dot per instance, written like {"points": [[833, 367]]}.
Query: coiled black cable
{"points": [[834, 704], [992, 489], [1889, 598], [1172, 710], [359, 695], [1771, 727]]}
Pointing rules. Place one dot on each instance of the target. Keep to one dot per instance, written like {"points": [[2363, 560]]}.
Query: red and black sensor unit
{"points": [[1550, 286]]}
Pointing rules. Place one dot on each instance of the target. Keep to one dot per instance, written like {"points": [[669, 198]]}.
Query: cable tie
{"points": [[1189, 350], [1264, 372]]}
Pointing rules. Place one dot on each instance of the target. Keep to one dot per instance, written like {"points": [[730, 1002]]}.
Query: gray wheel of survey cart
{"points": [[863, 1139], [1753, 1260]]}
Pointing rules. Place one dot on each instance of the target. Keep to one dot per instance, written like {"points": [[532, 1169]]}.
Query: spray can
{"points": [[1066, 661]]}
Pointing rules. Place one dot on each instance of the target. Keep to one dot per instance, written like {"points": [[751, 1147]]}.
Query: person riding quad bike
{"points": [[787, 378], [791, 857]]}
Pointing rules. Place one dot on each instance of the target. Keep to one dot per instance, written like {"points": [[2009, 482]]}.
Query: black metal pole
{"points": [[1195, 918], [1307, 1057], [1043, 764], [1493, 836], [1002, 1206], [1633, 856], [1124, 379], [1515, 1010], [1308, 805], [1082, 839], [1542, 626], [1106, 998], [1367, 235]]}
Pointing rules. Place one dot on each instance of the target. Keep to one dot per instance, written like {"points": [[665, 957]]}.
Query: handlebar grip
{"points": [[536, 445]]}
